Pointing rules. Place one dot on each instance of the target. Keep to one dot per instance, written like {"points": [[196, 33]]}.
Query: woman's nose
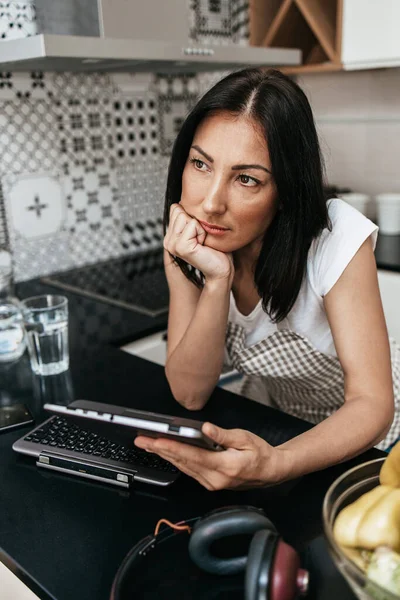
{"points": [[215, 198]]}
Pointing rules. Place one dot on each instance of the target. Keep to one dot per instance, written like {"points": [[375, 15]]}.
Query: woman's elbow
{"points": [[387, 419], [386, 430], [191, 399]]}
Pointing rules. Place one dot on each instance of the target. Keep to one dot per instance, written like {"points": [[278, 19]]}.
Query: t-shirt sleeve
{"points": [[333, 250]]}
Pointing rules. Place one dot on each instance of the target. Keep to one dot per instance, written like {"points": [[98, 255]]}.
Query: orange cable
{"points": [[175, 526]]}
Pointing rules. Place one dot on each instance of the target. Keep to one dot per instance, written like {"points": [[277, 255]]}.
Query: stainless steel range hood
{"points": [[76, 53], [126, 35]]}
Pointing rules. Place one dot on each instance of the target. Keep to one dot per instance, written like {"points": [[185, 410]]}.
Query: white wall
{"points": [[358, 120]]}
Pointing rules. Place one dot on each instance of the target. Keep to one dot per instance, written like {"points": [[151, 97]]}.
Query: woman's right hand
{"points": [[185, 239]]}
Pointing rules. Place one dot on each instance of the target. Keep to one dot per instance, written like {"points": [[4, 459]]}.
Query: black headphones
{"points": [[272, 567]]}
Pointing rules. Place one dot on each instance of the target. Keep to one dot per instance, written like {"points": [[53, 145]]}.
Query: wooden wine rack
{"points": [[314, 26]]}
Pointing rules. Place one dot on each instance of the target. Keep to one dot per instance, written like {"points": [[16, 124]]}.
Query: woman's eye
{"points": [[248, 181], [199, 164]]}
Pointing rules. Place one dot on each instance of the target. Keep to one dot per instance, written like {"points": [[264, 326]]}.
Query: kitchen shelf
{"points": [[47, 52], [314, 26]]}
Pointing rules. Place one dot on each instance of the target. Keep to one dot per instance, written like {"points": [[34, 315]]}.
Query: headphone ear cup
{"points": [[222, 524], [259, 564]]}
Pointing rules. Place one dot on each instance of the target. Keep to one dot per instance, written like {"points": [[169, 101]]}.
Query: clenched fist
{"points": [[185, 239]]}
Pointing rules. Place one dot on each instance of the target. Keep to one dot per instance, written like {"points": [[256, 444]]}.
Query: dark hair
{"points": [[281, 108]]}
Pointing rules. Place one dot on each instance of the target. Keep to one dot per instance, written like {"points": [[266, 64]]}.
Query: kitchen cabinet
{"points": [[332, 34], [154, 348], [389, 285], [370, 34], [12, 587]]}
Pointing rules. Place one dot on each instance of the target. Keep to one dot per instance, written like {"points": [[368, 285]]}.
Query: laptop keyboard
{"points": [[59, 433]]}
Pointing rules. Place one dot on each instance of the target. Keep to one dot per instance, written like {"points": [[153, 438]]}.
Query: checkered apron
{"points": [[286, 371]]}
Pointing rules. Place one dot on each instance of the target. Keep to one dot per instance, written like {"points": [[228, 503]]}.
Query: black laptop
{"points": [[60, 444]]}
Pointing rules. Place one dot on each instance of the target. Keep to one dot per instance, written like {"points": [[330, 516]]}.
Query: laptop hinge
{"points": [[83, 468]]}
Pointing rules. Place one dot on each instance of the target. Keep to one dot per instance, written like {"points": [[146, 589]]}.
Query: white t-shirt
{"points": [[328, 257]]}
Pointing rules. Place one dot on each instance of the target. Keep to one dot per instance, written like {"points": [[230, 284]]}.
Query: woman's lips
{"points": [[213, 229]]}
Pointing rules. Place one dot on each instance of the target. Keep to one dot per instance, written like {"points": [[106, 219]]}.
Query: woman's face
{"points": [[227, 182]]}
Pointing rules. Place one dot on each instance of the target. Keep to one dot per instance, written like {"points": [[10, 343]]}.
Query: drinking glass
{"points": [[46, 323], [12, 333]]}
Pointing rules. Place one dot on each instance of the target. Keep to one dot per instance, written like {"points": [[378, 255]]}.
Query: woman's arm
{"points": [[358, 326], [357, 322], [197, 318], [183, 300], [196, 338]]}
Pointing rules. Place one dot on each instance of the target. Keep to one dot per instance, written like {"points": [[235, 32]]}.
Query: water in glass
{"points": [[46, 319]]}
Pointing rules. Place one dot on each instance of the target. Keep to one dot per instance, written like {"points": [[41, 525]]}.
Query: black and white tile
{"points": [[132, 84], [142, 235], [136, 126], [93, 214], [83, 108], [88, 247], [142, 189], [211, 21], [141, 186], [36, 217], [39, 257], [4, 238], [240, 21], [35, 204], [173, 109], [84, 85], [35, 85], [17, 19], [208, 80], [219, 21], [186, 84], [6, 85], [28, 136], [92, 198]]}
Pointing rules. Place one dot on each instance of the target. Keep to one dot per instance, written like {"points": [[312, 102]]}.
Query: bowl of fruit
{"points": [[361, 518]]}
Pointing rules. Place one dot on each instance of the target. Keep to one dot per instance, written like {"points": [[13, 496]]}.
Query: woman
{"points": [[267, 277]]}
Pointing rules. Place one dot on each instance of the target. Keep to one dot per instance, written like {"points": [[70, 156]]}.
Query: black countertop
{"points": [[66, 537]]}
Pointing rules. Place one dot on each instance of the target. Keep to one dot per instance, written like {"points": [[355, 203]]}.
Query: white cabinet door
{"points": [[154, 349], [370, 33], [389, 285], [12, 588]]}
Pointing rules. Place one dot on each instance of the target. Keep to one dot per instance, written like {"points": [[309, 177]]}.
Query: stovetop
{"points": [[136, 282]]}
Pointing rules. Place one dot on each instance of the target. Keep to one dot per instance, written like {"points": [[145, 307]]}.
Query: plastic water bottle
{"points": [[12, 331]]}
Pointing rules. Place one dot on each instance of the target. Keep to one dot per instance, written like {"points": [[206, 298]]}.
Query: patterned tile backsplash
{"points": [[84, 157], [17, 19]]}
